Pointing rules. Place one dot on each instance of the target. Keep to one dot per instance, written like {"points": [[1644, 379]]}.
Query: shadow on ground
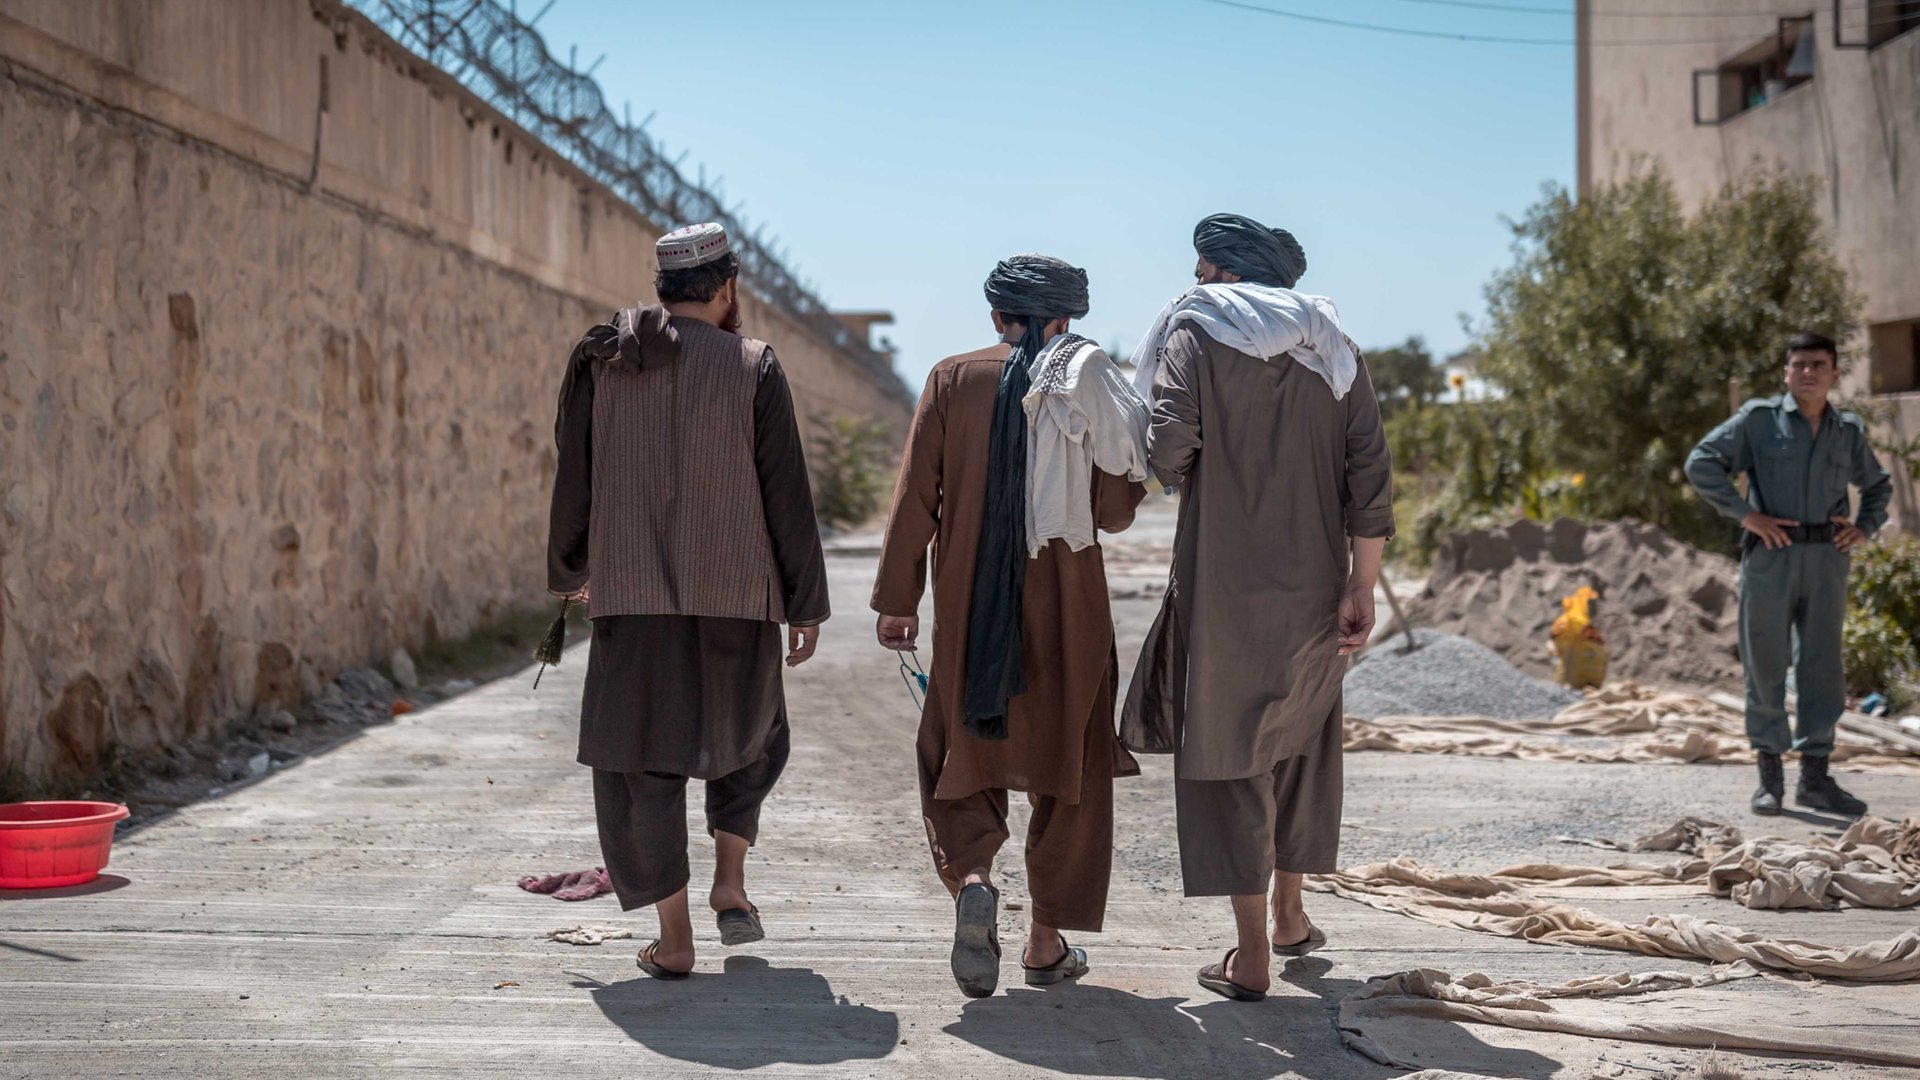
{"points": [[751, 1016], [1818, 817], [42, 953], [1443, 1044], [105, 883], [1090, 1030]]}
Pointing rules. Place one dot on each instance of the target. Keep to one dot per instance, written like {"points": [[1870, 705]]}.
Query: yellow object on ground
{"points": [[1582, 654]]}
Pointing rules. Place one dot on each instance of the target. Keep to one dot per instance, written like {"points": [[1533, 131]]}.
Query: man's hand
{"points": [[898, 633], [1771, 530], [1846, 535], [577, 597], [801, 641], [1356, 618]]}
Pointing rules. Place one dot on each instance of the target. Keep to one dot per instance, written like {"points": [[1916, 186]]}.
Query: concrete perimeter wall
{"points": [[283, 314]]}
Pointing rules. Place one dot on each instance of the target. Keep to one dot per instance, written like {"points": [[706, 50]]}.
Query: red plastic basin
{"points": [[44, 845]]}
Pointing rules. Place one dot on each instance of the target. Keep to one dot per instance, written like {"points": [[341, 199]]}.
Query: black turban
{"points": [[1038, 285], [1243, 246], [1040, 289]]}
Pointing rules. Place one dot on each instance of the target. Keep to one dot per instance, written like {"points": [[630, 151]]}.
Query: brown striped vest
{"points": [[678, 527]]}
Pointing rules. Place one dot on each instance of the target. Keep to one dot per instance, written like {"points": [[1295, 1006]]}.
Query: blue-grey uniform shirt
{"points": [[1794, 473]]}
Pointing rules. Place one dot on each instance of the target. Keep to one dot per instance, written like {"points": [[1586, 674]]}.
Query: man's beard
{"points": [[732, 323]]}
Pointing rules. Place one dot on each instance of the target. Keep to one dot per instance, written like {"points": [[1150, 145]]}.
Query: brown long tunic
{"points": [[684, 694], [1067, 623], [1242, 668]]}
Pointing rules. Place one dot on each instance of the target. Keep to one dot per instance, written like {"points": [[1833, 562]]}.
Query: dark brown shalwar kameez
{"points": [[1061, 748], [1240, 676], [673, 696]]}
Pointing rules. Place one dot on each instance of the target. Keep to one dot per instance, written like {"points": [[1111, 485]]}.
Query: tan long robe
{"points": [[1068, 623], [1241, 670]]}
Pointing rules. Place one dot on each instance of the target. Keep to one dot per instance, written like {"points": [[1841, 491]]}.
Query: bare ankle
{"points": [[1045, 945], [1250, 968]]}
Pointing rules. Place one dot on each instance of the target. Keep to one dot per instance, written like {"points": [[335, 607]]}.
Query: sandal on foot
{"points": [[976, 940], [1214, 978], [740, 926], [1315, 939], [1071, 965], [645, 960]]}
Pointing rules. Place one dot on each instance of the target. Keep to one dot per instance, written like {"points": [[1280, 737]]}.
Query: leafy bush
{"points": [[1878, 652], [1611, 340], [1886, 580], [1882, 637], [851, 466]]}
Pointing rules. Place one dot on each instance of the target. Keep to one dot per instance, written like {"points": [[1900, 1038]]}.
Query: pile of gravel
{"points": [[1447, 676]]}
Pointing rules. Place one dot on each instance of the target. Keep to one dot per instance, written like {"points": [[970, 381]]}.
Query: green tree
{"points": [[1612, 338], [850, 458], [1405, 375]]}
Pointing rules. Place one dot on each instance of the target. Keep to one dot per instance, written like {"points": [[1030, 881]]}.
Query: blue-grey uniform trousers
{"points": [[1793, 602]]}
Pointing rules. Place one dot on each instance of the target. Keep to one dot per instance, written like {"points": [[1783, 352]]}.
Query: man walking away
{"points": [[681, 500], [1023, 676], [1264, 414], [1799, 455]]}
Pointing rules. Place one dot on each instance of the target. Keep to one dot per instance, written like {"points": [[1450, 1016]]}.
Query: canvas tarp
{"points": [[1638, 724]]}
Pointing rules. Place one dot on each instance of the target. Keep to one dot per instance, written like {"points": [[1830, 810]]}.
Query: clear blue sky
{"points": [[899, 149]]}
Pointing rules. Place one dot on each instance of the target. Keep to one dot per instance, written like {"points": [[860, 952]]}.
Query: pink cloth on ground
{"points": [[571, 885]]}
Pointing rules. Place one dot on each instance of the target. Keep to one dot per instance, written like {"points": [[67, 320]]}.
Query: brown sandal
{"points": [[1316, 938], [1214, 978], [645, 960]]}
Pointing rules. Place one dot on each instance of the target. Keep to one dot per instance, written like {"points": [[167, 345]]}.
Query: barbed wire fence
{"points": [[489, 49]]}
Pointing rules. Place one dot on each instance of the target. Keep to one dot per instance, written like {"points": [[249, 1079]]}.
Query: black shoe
{"points": [[1773, 785], [976, 940], [1817, 791]]}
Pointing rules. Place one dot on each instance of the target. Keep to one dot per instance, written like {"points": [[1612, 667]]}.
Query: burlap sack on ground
{"points": [[1493, 905], [1383, 1019], [1644, 725], [588, 935], [1875, 863]]}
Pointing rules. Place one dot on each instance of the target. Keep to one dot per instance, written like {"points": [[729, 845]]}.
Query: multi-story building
{"points": [[1713, 89]]}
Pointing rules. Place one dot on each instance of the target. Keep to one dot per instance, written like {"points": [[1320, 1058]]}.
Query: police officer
{"points": [[1799, 456]]}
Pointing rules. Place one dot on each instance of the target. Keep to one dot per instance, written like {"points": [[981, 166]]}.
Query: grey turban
{"points": [[1243, 246], [1042, 289], [1038, 285]]}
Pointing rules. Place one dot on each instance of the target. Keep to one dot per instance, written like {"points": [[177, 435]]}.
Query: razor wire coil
{"points": [[487, 48]]}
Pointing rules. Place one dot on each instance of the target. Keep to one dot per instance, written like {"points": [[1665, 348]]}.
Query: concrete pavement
{"points": [[356, 914]]}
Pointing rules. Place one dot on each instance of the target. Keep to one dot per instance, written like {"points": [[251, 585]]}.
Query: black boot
{"points": [[1817, 791], [1773, 785]]}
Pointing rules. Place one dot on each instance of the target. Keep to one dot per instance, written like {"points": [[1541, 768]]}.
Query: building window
{"points": [[1760, 74], [1895, 351], [1888, 19]]}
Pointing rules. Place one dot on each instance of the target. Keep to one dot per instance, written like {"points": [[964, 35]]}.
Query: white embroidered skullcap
{"points": [[692, 246]]}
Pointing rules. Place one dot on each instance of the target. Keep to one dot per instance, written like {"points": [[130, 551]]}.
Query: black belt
{"points": [[1811, 532]]}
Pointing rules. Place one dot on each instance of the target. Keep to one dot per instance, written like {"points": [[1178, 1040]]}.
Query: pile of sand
{"points": [[1669, 612]]}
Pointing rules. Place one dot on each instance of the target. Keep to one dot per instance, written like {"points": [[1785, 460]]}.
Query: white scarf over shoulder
{"points": [[1081, 416], [1259, 320]]}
